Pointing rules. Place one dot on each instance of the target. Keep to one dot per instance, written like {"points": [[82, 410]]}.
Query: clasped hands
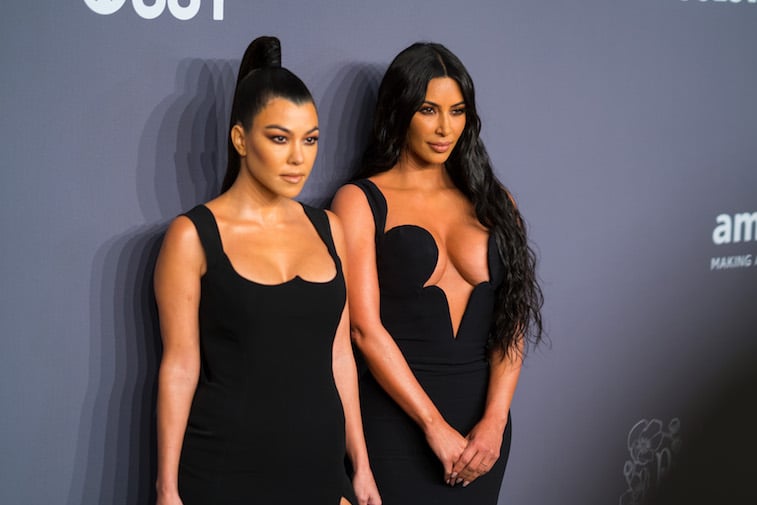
{"points": [[466, 458]]}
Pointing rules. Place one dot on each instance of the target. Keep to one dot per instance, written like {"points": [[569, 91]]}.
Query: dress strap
{"points": [[376, 202], [207, 229], [320, 221]]}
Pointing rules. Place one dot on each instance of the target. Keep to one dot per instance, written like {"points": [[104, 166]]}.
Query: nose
{"points": [[296, 156], [443, 126]]}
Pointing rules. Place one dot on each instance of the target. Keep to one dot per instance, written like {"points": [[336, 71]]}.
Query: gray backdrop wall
{"points": [[625, 129]]}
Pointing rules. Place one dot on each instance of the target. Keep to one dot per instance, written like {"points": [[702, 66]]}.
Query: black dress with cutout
{"points": [[452, 369]]}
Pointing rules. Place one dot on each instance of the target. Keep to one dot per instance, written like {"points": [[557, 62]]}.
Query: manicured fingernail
{"points": [[458, 481], [453, 476], [465, 484]]}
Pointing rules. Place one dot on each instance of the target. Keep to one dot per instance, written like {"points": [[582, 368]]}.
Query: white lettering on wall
{"points": [[151, 9], [105, 7], [218, 10], [736, 228], [727, 262]]}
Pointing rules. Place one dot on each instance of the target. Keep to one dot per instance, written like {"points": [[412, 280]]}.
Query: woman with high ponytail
{"points": [[443, 296], [257, 396]]}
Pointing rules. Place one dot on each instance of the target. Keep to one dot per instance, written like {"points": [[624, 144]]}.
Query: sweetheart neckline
{"points": [[454, 331], [436, 247]]}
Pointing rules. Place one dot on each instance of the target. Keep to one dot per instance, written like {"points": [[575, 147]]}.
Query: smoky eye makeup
{"points": [[278, 139]]}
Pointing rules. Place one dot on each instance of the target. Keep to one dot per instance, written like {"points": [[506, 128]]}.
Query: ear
{"points": [[237, 139]]}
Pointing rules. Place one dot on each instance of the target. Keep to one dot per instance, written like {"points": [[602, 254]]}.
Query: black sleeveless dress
{"points": [[266, 423], [452, 369]]}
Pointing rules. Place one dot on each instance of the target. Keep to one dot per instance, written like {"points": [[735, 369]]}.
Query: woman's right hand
{"points": [[448, 445]]}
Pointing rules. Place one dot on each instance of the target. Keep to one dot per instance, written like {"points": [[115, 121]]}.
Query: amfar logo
{"points": [[183, 13], [735, 228]]}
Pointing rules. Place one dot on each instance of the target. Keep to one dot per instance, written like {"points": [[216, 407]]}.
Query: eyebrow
{"points": [[437, 105], [287, 130]]}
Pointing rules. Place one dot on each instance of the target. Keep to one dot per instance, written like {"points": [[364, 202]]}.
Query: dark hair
{"points": [[261, 78], [401, 94]]}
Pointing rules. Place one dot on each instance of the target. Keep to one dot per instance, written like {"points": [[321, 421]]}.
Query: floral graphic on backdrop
{"points": [[651, 447]]}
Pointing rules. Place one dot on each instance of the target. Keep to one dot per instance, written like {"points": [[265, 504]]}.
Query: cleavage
{"points": [[408, 261], [417, 248]]}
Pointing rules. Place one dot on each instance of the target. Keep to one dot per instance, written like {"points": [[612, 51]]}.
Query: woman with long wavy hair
{"points": [[442, 288]]}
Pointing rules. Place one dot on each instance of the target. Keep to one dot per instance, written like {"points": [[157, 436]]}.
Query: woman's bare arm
{"points": [[384, 358], [345, 376], [180, 265]]}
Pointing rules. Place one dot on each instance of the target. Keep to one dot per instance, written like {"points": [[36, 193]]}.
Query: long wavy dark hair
{"points": [[517, 317], [261, 78]]}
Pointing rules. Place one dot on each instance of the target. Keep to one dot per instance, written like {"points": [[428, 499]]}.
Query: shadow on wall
{"points": [[114, 459], [345, 116], [182, 152], [180, 161]]}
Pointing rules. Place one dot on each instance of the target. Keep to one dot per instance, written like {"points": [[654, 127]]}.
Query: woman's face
{"points": [[437, 125], [278, 150]]}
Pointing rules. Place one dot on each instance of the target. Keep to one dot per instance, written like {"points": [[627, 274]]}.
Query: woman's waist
{"points": [[442, 367], [429, 352], [219, 405], [433, 324], [460, 397]]}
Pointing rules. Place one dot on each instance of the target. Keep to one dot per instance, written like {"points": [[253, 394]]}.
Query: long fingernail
{"points": [[458, 481], [465, 484], [453, 476]]}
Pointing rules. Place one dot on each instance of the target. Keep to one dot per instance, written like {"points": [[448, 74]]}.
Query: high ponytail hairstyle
{"points": [[261, 78], [517, 320]]}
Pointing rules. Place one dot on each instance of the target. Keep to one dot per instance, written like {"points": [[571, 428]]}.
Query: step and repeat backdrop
{"points": [[626, 130]]}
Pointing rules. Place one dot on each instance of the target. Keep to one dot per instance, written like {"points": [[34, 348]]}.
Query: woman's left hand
{"points": [[365, 488], [481, 453]]}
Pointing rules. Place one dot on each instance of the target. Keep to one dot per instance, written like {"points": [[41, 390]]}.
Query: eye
{"points": [[426, 110], [278, 139], [458, 112], [311, 140]]}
